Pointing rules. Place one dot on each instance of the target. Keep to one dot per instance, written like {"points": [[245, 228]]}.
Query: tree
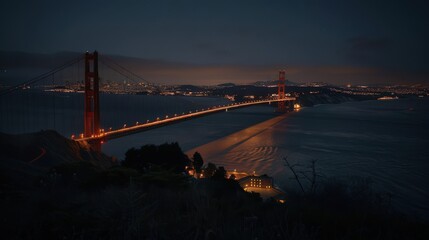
{"points": [[219, 174], [168, 156], [133, 159], [171, 156], [298, 174], [198, 162], [210, 170]]}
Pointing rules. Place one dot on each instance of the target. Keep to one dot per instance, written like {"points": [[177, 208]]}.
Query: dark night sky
{"points": [[240, 41]]}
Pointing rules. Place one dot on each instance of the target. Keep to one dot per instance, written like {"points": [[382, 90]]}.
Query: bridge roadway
{"points": [[140, 127]]}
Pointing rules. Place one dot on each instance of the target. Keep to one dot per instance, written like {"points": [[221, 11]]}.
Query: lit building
{"points": [[264, 185], [263, 181]]}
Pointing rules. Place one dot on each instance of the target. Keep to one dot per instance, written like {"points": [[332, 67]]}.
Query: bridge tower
{"points": [[281, 107], [92, 102]]}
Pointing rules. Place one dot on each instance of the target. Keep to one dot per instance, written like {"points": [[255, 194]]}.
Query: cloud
{"points": [[12, 60], [335, 74], [211, 49], [367, 50], [367, 44], [170, 72], [344, 74]]}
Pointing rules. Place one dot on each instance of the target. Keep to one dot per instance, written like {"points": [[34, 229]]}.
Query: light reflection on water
{"points": [[385, 141]]}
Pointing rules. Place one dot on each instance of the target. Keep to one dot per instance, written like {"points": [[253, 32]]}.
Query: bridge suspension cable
{"points": [[113, 65], [42, 76]]}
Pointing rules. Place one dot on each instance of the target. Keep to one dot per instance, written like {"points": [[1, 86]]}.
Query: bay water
{"points": [[385, 141]]}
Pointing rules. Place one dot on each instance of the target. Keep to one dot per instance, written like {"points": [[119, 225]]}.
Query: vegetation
{"points": [[198, 163], [166, 156], [149, 196]]}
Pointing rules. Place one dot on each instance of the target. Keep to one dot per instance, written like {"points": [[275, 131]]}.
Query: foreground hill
{"points": [[29, 155], [144, 197]]}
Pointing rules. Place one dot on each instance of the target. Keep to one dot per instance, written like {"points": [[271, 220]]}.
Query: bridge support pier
{"points": [[92, 102], [281, 106]]}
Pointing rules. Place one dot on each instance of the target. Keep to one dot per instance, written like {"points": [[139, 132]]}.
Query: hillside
{"points": [[145, 198], [25, 156]]}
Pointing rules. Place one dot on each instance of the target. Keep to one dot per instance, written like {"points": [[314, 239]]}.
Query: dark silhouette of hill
{"points": [[308, 96], [25, 156], [78, 199]]}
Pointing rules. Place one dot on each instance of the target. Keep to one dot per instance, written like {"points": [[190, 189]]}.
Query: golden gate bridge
{"points": [[95, 135]]}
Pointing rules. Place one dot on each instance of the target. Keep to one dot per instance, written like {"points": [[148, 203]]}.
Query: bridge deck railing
{"points": [[112, 134]]}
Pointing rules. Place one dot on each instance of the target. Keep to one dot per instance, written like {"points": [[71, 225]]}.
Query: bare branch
{"points": [[291, 167]]}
